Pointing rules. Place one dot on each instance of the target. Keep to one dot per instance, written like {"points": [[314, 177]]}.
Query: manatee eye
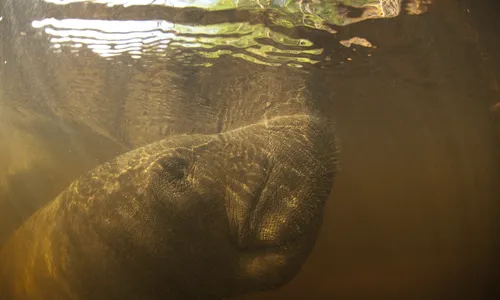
{"points": [[173, 168]]}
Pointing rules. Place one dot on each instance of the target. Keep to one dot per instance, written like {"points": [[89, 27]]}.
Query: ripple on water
{"points": [[259, 31]]}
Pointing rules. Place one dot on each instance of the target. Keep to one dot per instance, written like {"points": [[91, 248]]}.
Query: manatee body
{"points": [[189, 217], [80, 110]]}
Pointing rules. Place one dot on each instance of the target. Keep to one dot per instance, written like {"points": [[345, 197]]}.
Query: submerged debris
{"points": [[357, 41]]}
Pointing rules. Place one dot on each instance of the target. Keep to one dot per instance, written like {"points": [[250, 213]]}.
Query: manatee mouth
{"points": [[257, 218], [286, 243], [269, 265], [253, 214], [272, 262]]}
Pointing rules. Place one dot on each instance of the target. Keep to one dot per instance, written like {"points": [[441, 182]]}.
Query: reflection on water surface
{"points": [[260, 41]]}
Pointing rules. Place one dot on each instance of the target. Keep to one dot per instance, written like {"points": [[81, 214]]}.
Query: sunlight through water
{"points": [[259, 42]]}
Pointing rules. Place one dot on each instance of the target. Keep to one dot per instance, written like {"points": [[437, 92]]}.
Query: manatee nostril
{"points": [[173, 168]]}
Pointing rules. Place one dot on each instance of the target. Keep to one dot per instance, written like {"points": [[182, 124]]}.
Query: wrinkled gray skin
{"points": [[223, 194], [192, 216]]}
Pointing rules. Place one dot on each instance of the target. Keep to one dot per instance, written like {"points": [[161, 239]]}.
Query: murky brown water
{"points": [[414, 211]]}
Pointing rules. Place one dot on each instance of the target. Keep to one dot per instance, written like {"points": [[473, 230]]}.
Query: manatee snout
{"points": [[192, 216], [281, 223]]}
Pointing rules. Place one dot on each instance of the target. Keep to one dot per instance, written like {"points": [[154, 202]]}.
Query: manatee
{"points": [[220, 189], [80, 110], [193, 216], [99, 108]]}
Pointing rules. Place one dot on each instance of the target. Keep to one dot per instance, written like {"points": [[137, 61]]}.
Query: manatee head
{"points": [[195, 216]]}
